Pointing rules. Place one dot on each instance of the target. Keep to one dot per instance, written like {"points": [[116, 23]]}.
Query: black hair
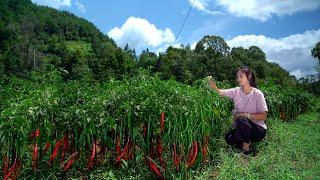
{"points": [[250, 75]]}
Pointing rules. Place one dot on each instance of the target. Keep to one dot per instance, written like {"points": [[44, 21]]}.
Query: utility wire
{"points": [[185, 19]]}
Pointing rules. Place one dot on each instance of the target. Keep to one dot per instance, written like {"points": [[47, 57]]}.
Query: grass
{"points": [[291, 150]]}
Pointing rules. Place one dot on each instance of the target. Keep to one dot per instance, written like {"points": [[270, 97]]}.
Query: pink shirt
{"points": [[254, 102]]}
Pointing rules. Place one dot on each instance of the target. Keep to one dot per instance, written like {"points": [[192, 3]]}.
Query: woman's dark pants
{"points": [[245, 131]]}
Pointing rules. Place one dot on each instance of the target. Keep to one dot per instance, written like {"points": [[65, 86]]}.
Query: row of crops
{"points": [[286, 103], [49, 126]]}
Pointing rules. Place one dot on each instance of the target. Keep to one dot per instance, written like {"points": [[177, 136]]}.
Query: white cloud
{"points": [[140, 33], [60, 3], [299, 73], [53, 3], [199, 4], [293, 52], [164, 47], [80, 6], [203, 6], [193, 45], [260, 10]]}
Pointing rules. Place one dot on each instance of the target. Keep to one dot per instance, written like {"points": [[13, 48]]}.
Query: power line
{"points": [[185, 19]]}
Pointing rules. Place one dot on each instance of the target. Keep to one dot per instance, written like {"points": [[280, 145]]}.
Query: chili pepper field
{"points": [[161, 129]]}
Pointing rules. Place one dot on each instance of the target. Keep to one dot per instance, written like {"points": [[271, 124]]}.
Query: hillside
{"points": [[33, 36]]}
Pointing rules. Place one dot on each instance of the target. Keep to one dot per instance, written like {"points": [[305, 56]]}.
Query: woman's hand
{"points": [[241, 114], [252, 116], [212, 83]]}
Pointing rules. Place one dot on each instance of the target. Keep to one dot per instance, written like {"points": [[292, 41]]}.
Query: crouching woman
{"points": [[250, 111]]}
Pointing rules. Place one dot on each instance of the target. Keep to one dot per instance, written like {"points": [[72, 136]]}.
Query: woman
{"points": [[250, 111]]}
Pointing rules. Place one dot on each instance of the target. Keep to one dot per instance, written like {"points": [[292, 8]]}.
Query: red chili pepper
{"points": [[159, 146], [46, 148], [190, 154], [124, 151], [160, 151], [93, 153], [194, 154], [162, 162], [153, 167], [68, 164], [16, 172], [55, 151], [5, 168], [65, 146], [70, 161], [118, 147], [162, 122], [35, 134], [176, 158], [205, 149], [152, 149], [35, 156], [12, 169], [204, 153], [129, 154]]}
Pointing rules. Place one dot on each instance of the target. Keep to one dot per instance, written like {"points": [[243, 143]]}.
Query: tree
{"points": [[316, 51], [316, 54], [216, 43], [147, 60], [256, 53]]}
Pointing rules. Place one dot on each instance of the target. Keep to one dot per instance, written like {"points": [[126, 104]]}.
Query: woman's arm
{"points": [[253, 116], [214, 86]]}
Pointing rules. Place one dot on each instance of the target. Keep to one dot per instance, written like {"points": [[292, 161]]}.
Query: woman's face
{"points": [[242, 78]]}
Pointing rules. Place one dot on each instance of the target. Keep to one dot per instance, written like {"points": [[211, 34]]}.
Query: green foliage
{"points": [[215, 44], [120, 112], [312, 87], [87, 112], [212, 56], [286, 103], [82, 48], [316, 51], [147, 60]]}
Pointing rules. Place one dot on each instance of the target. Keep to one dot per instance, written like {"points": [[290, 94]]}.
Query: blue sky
{"points": [[285, 30]]}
